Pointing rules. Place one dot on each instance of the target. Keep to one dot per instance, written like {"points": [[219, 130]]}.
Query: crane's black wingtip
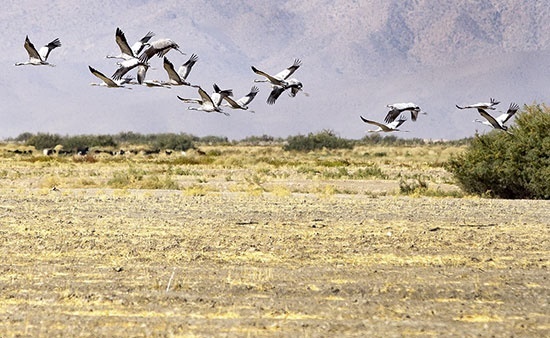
{"points": [[389, 118]]}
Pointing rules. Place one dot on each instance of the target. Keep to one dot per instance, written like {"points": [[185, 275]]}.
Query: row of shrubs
{"points": [[153, 141], [496, 164], [325, 139]]}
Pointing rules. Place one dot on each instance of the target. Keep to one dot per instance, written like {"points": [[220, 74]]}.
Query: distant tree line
{"points": [[326, 139], [153, 141]]}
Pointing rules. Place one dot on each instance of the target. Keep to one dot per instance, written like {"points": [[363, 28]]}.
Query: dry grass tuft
{"points": [[255, 241]]}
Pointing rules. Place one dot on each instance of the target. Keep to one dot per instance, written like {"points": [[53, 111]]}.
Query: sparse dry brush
{"points": [[253, 169], [249, 240], [157, 263]]}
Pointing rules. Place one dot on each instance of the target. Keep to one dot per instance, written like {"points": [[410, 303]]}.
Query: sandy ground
{"points": [[142, 263]]}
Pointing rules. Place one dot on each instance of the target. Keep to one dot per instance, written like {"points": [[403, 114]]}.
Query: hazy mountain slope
{"points": [[358, 56]]}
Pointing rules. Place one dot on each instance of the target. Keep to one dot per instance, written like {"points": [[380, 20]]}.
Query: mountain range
{"points": [[358, 56]]}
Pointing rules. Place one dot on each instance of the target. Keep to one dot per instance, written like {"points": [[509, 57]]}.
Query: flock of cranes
{"points": [[495, 122], [397, 109], [138, 57], [142, 51]]}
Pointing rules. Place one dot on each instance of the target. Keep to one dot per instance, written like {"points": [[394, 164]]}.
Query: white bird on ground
{"points": [[180, 77], [293, 84], [243, 102], [108, 82], [397, 108], [279, 78], [393, 126], [499, 121], [481, 105], [39, 57], [160, 48], [207, 104], [127, 52]]}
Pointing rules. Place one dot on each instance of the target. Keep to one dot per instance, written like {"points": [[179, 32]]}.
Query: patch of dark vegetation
{"points": [[181, 142], [515, 165], [325, 139]]}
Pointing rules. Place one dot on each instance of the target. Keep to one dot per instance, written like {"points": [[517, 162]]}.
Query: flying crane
{"points": [[39, 57]]}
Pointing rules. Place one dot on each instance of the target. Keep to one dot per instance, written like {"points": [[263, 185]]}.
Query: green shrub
{"points": [[326, 139], [509, 166], [46, 140], [212, 139], [81, 141], [43, 140], [23, 137], [370, 171], [390, 140], [126, 179], [135, 178], [334, 163], [259, 140], [155, 141], [181, 142], [335, 173], [412, 186], [173, 141]]}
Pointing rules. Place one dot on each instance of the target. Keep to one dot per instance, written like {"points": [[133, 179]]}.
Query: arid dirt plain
{"points": [[296, 247]]}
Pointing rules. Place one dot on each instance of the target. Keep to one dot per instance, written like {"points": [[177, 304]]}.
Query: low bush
{"points": [[412, 186], [370, 171], [43, 140], [515, 165], [325, 139], [180, 142]]}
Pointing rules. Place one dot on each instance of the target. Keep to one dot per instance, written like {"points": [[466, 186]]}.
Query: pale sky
{"points": [[338, 47]]}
